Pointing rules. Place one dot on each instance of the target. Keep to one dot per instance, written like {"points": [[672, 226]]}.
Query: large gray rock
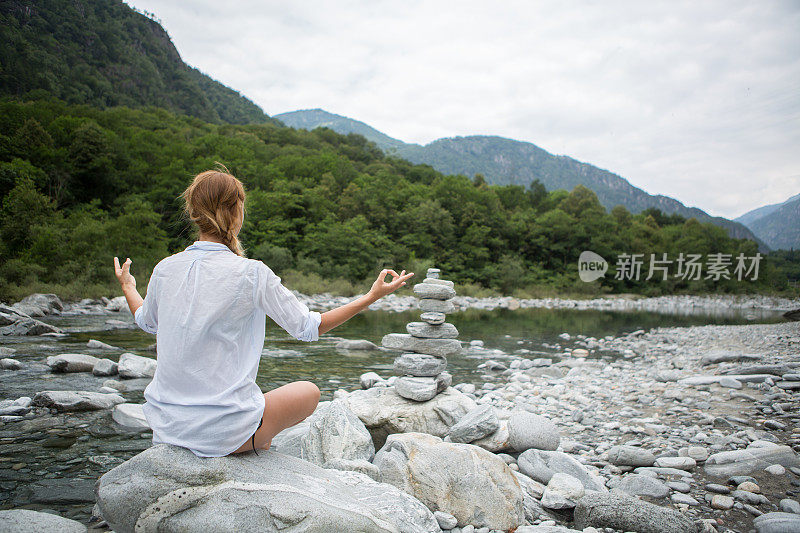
{"points": [[118, 303], [7, 363], [26, 521], [439, 281], [630, 456], [20, 406], [541, 465], [432, 305], [135, 366], [64, 400], [72, 362], [408, 343], [128, 385], [562, 492], [497, 441], [476, 424], [370, 379], [527, 430], [419, 364], [627, 513], [777, 523], [290, 440], [336, 437], [130, 416], [428, 331], [721, 356], [640, 485], [422, 389], [438, 291], [38, 305], [432, 317], [744, 462], [545, 529], [99, 345], [168, 489], [56, 491], [355, 344], [709, 379], [104, 367], [384, 412], [14, 325], [473, 485]]}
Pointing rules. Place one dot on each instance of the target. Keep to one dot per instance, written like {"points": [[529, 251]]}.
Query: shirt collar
{"points": [[208, 245]]}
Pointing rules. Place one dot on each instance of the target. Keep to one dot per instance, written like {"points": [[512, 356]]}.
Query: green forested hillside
{"points": [[103, 53], [505, 161], [81, 184]]}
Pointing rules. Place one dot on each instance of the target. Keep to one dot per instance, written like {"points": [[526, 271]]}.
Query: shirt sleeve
{"points": [[282, 306], [146, 317]]}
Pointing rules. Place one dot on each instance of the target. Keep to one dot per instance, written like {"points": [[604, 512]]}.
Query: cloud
{"points": [[696, 100]]}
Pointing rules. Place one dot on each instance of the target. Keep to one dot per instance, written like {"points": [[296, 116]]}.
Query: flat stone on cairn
{"points": [[428, 343]]}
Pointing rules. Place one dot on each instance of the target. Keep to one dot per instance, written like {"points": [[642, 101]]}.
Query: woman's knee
{"points": [[311, 390], [310, 393]]}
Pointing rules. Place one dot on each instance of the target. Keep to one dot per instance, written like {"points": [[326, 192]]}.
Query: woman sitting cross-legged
{"points": [[207, 306]]}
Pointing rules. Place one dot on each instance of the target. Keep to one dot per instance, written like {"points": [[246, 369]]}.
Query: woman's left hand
{"points": [[124, 273]]}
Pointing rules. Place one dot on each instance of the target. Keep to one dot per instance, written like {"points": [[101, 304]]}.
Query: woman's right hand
{"points": [[381, 287], [124, 273]]}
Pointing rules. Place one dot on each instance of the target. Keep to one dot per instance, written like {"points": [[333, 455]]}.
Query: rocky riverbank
{"points": [[673, 429], [21, 317]]}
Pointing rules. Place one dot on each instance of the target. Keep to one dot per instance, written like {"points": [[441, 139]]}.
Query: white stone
{"points": [[130, 415], [135, 366]]}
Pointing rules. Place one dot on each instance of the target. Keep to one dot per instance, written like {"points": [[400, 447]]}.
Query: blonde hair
{"points": [[214, 201]]}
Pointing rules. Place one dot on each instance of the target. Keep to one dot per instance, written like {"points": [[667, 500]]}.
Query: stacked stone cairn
{"points": [[421, 369]]}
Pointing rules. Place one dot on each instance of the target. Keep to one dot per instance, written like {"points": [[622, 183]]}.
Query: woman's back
{"points": [[208, 308]]}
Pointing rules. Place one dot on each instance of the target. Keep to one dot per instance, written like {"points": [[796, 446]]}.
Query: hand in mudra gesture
{"points": [[381, 287], [124, 273]]}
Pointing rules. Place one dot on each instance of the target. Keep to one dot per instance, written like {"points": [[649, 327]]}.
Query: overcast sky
{"points": [[695, 100]]}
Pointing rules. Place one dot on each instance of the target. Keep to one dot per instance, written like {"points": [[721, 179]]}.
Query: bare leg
{"points": [[284, 407]]}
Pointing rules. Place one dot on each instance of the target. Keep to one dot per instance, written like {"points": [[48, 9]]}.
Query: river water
{"points": [[51, 461]]}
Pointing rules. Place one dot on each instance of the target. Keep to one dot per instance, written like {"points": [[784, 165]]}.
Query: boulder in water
{"points": [[72, 362], [64, 400], [39, 305], [135, 366]]}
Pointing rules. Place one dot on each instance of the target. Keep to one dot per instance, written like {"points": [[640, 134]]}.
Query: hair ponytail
{"points": [[214, 202]]}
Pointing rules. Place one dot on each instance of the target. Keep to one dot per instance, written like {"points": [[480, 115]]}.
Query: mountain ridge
{"points": [[776, 224], [503, 161], [107, 54]]}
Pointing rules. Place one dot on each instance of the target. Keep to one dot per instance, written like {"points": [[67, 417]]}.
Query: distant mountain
{"points": [[778, 225], [104, 53], [507, 161], [308, 119]]}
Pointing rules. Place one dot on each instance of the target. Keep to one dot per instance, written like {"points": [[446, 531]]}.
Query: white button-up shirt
{"points": [[207, 307]]}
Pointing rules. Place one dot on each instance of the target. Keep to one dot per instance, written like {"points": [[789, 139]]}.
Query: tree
{"points": [[23, 208]]}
